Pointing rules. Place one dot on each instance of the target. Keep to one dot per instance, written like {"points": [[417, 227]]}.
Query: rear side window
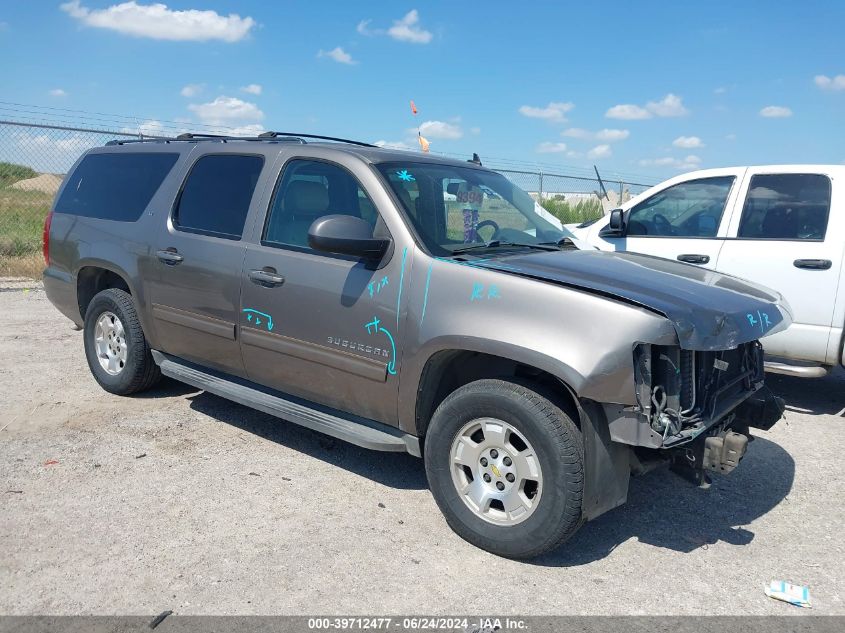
{"points": [[115, 186], [216, 195], [786, 207]]}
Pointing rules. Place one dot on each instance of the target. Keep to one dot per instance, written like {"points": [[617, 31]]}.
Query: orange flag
{"points": [[413, 107]]}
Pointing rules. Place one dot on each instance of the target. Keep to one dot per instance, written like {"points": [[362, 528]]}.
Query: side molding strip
{"points": [[368, 434], [206, 324], [335, 358]]}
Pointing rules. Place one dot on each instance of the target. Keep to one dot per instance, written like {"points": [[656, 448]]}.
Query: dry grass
{"points": [[30, 265]]}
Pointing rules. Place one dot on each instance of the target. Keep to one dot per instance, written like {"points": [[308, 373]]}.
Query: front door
{"points": [[322, 327], [686, 221], [196, 292], [784, 238]]}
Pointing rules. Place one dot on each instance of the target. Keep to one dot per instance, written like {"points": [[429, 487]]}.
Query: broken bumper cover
{"points": [[685, 396]]}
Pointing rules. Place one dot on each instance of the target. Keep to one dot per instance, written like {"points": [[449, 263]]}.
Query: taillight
{"points": [[45, 238]]}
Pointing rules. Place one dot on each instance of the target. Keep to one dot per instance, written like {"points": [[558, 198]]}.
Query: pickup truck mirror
{"points": [[615, 226], [346, 235]]}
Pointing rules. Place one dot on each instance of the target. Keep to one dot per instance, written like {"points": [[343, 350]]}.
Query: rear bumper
{"points": [[60, 288]]}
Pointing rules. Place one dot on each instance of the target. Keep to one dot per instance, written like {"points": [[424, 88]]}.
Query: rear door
{"points": [[686, 221], [783, 237], [200, 252]]}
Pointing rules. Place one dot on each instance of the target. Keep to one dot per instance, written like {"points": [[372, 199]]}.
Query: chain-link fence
{"points": [[34, 158], [33, 162], [574, 199]]}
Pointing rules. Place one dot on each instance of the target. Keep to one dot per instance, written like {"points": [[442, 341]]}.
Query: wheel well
{"points": [[91, 280], [449, 370]]}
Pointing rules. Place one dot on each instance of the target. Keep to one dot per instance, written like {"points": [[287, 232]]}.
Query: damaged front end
{"points": [[695, 407]]}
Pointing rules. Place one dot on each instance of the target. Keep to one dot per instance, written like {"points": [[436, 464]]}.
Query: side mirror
{"points": [[615, 226], [346, 235]]}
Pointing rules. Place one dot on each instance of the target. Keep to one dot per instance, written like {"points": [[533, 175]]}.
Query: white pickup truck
{"points": [[782, 226]]}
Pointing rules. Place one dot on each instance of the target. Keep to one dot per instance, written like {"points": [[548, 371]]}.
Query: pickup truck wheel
{"points": [[115, 346], [505, 466]]}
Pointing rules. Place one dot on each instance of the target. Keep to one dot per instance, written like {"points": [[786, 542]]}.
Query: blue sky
{"points": [[536, 82]]}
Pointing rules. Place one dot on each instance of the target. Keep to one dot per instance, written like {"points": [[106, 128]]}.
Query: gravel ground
{"points": [[180, 500]]}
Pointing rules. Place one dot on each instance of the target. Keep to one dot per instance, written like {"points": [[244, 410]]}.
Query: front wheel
{"points": [[505, 466], [117, 350]]}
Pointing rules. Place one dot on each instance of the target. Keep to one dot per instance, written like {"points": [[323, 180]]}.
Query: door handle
{"points": [[169, 256], [267, 277], [692, 258], [813, 264]]}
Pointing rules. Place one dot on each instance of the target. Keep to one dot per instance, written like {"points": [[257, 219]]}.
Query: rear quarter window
{"points": [[115, 186]]}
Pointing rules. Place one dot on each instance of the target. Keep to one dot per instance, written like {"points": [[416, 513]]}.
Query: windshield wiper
{"points": [[564, 243], [500, 243]]}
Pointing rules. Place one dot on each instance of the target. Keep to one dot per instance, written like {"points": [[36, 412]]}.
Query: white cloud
{"points": [[611, 136], [547, 147], [393, 145], [627, 112], [830, 83], [407, 29], [600, 151], [57, 92], [689, 163], [191, 90], [720, 90], [730, 137], [688, 142], [227, 111], [252, 89], [775, 112], [337, 54], [439, 129], [607, 135], [475, 130], [576, 132], [364, 28], [152, 127], [158, 22], [555, 111], [669, 106]]}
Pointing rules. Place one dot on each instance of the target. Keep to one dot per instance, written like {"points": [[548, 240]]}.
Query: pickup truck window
{"points": [[215, 197], [112, 186], [786, 207], [688, 209], [309, 190], [452, 207]]}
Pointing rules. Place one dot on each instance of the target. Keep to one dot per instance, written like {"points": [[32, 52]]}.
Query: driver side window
{"points": [[688, 209]]}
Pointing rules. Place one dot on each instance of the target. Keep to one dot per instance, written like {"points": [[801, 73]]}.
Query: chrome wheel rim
{"points": [[110, 343], [496, 471]]}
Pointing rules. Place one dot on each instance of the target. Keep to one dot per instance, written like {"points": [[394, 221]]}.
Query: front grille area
{"points": [[683, 392]]}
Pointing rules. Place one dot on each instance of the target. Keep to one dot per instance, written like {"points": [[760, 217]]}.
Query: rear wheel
{"points": [[505, 466], [115, 346]]}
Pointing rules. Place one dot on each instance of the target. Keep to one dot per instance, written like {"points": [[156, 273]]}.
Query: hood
{"points": [[710, 311]]}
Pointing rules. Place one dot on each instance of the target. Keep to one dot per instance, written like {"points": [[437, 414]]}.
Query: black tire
{"points": [[139, 371], [559, 450]]}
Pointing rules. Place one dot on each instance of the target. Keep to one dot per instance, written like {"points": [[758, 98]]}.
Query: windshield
{"points": [[453, 208]]}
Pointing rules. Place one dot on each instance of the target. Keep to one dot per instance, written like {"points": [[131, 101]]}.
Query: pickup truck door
{"points": [[199, 254], [315, 325], [687, 220], [785, 236]]}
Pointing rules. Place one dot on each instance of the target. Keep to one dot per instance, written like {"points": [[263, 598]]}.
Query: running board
{"points": [[368, 434]]}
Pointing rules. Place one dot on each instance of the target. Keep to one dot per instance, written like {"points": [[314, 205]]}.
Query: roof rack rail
{"points": [[270, 135], [264, 136]]}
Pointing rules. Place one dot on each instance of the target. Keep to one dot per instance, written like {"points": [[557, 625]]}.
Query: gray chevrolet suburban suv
{"points": [[406, 302]]}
